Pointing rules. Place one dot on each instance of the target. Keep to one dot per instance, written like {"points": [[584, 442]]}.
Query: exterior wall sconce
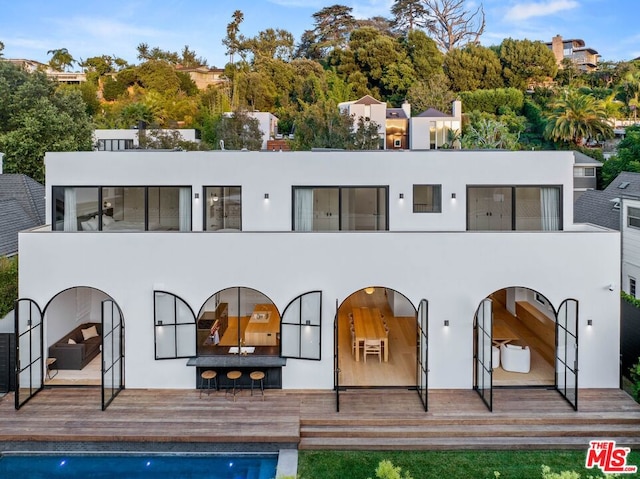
{"points": [[266, 196], [446, 323], [611, 287], [196, 195], [160, 322], [589, 322], [307, 322], [401, 196], [453, 196]]}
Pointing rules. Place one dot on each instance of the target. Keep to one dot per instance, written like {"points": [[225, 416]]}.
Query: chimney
{"points": [[407, 108], [557, 48], [456, 110]]}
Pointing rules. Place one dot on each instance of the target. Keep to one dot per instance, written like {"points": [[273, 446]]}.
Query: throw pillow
{"points": [[106, 220], [85, 226], [89, 333], [93, 222], [71, 341]]}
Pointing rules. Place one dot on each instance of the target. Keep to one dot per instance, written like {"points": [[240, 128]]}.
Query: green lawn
{"points": [[448, 464]]}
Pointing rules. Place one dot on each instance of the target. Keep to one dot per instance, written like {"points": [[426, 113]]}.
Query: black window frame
{"points": [[339, 188], [174, 325], [436, 191], [206, 204], [299, 324], [632, 286], [58, 190], [513, 204]]}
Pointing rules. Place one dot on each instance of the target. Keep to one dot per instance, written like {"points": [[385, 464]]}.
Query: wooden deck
{"points": [[369, 419]]}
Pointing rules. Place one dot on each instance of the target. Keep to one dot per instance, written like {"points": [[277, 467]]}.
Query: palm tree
{"points": [[576, 117], [61, 59]]}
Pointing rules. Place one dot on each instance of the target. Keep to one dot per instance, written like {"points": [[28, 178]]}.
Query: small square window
{"points": [[427, 198], [632, 287]]}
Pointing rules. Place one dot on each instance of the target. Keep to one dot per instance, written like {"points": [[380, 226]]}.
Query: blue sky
{"points": [[29, 28]]}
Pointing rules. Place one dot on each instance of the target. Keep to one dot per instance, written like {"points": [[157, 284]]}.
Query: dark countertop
{"points": [[237, 361]]}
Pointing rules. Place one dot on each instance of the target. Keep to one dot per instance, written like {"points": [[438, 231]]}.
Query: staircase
{"points": [[522, 419]]}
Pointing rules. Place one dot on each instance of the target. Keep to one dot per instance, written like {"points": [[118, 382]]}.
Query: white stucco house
{"points": [[181, 258], [112, 139]]}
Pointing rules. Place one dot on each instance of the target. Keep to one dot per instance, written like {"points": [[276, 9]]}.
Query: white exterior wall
{"points": [[268, 124], [630, 247], [275, 173], [453, 269], [132, 134]]}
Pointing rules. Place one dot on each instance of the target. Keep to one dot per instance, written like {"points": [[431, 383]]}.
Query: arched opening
{"points": [[74, 339], [372, 318], [240, 318], [523, 337]]}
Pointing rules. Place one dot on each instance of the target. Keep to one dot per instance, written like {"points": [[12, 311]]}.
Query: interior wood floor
{"points": [[91, 375], [542, 372], [400, 370]]}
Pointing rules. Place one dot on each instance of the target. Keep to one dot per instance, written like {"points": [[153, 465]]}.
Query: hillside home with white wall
{"points": [[332, 269]]}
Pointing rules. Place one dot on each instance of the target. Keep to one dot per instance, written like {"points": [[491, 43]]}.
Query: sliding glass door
{"points": [[483, 368]]}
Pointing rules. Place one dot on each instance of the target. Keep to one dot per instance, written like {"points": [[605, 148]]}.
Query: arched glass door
{"points": [[422, 355], [483, 371], [567, 351], [29, 350], [112, 352]]}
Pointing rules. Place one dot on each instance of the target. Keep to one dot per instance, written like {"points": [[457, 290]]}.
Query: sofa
{"points": [[73, 351]]}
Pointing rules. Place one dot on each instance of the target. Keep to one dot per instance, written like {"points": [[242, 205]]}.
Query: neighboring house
{"points": [[204, 77], [184, 257], [430, 129], [618, 207], [584, 174], [426, 131], [121, 139], [21, 208], [585, 58], [70, 78]]}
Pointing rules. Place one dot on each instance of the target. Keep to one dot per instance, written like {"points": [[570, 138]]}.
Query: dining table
{"points": [[368, 324]]}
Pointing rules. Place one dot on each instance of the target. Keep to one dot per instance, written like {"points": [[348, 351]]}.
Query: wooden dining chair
{"points": [[372, 346]]}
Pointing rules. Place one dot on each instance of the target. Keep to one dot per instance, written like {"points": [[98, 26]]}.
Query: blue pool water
{"points": [[138, 466]]}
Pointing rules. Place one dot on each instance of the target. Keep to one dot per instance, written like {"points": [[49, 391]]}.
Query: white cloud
{"points": [[523, 11]]}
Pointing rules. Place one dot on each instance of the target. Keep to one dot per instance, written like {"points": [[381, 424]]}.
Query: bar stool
{"points": [[233, 376], [257, 376], [208, 375]]}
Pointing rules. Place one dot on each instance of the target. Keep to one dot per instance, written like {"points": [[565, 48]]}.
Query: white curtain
{"points": [[550, 208], [185, 209], [303, 209], [70, 210]]}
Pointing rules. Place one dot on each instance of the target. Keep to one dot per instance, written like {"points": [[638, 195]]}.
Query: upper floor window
{"points": [[633, 217], [340, 208], [223, 208], [587, 172], [522, 208], [121, 208], [115, 145], [427, 198]]}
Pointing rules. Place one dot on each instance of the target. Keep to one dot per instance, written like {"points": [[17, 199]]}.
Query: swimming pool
{"points": [[134, 466]]}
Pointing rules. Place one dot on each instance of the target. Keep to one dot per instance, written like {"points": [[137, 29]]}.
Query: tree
{"points": [[8, 284], [489, 134], [332, 27], [366, 136], [451, 26], [575, 117], [408, 15], [322, 125], [61, 59], [239, 131], [431, 93], [424, 54], [473, 67], [272, 44], [382, 24], [234, 40], [525, 62], [157, 54], [189, 58], [1, 48], [36, 118], [627, 157]]}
